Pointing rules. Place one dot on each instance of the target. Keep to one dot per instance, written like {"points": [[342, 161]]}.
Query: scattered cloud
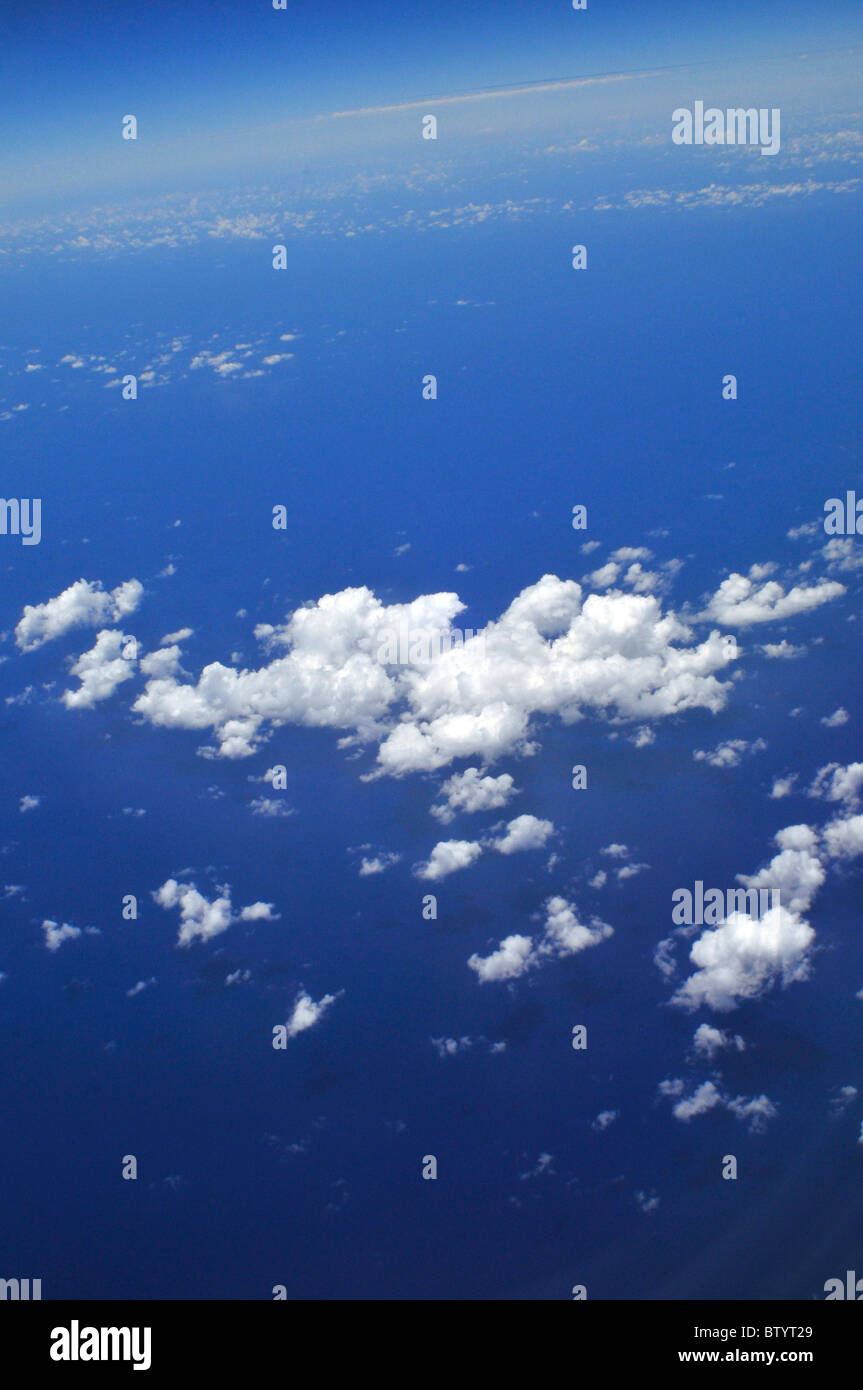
{"points": [[741, 600], [202, 919], [140, 987], [471, 791], [563, 935], [379, 863], [836, 719], [730, 753], [55, 934], [306, 1012], [83, 604], [604, 1119]]}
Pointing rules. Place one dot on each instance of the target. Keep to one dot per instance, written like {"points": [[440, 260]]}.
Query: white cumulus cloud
{"points": [[83, 604], [307, 1012], [202, 919], [102, 669], [741, 600], [470, 791], [552, 652], [447, 857], [55, 934], [524, 832]]}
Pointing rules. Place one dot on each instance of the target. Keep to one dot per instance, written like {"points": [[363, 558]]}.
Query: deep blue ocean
{"points": [[302, 1167]]}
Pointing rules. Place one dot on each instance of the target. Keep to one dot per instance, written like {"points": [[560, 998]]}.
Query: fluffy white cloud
{"points": [[513, 957], [163, 662], [259, 912], [55, 935], [379, 864], [524, 832], [550, 653], [563, 935], [782, 651], [605, 576], [708, 1041], [705, 1098], [797, 871], [741, 600], [728, 754], [640, 580], [842, 554], [83, 604], [757, 1110], [625, 566], [744, 956], [837, 783], [307, 1012], [470, 791], [447, 857], [28, 803], [201, 919], [627, 553], [102, 669], [843, 837], [643, 737]]}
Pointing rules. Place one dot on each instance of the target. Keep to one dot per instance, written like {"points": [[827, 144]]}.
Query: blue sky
{"points": [[210, 72]]}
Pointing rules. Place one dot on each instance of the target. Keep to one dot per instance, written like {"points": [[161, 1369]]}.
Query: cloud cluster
{"points": [[523, 833], [745, 956], [102, 669], [552, 652], [708, 1041], [728, 754], [83, 604], [742, 600], [755, 1111], [836, 783], [55, 934], [563, 935], [201, 919], [472, 791]]}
